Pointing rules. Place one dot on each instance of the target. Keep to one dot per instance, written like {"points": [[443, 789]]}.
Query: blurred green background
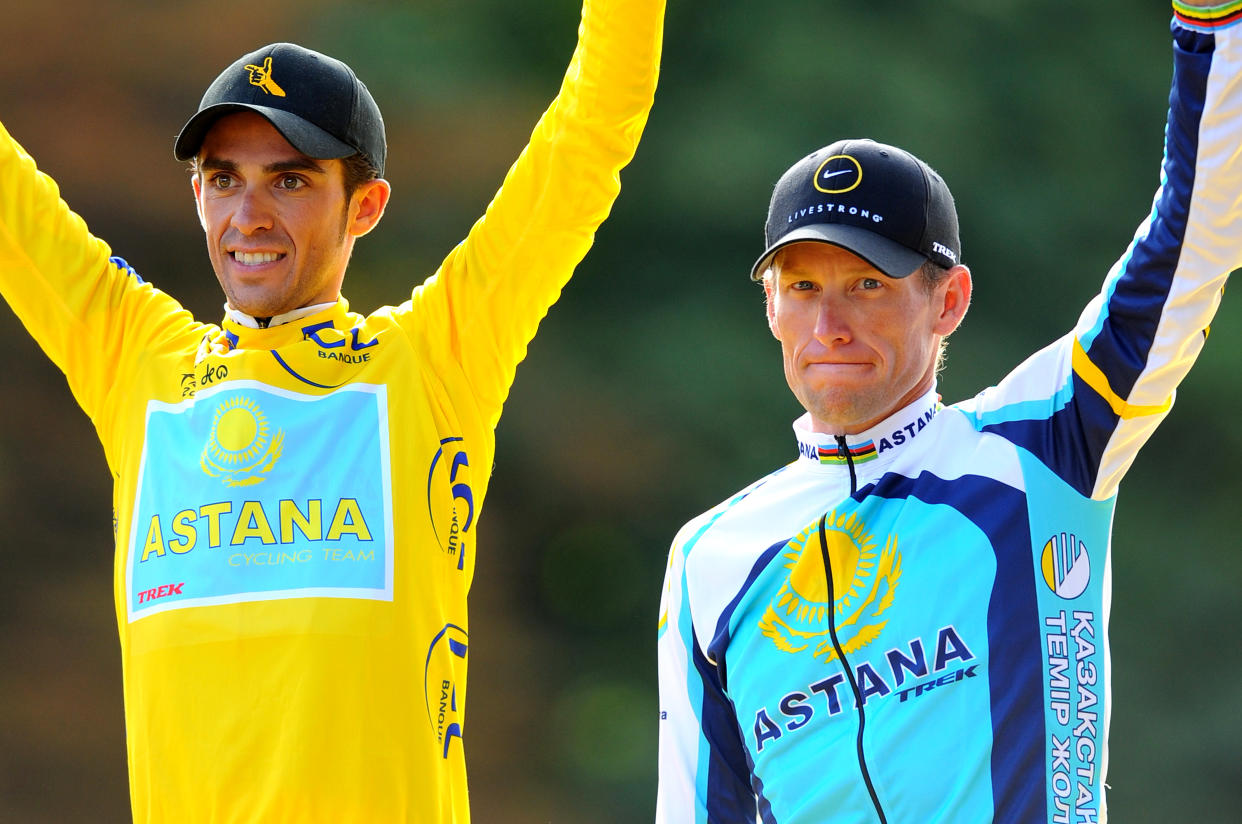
{"points": [[654, 389]]}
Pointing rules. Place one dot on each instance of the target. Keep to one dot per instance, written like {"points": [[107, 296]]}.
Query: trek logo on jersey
{"points": [[241, 447], [450, 499], [290, 498], [261, 76], [444, 671], [838, 174], [163, 591], [864, 584], [1065, 565]]}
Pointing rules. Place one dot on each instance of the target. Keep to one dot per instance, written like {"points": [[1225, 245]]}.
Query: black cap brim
{"points": [[303, 135], [888, 256]]}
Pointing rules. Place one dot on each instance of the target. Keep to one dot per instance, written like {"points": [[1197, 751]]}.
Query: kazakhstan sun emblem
{"points": [[864, 583], [241, 448]]}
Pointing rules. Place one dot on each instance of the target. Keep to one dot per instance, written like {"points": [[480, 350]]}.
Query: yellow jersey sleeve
{"points": [[484, 304], [89, 311]]}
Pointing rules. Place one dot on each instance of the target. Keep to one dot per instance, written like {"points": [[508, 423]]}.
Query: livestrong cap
{"points": [[879, 202], [315, 101]]}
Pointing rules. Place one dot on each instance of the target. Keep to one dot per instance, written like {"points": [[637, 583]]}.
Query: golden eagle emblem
{"points": [[863, 586], [240, 447]]}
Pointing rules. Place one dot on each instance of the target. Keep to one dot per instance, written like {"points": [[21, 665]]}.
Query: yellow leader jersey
{"points": [[296, 506]]}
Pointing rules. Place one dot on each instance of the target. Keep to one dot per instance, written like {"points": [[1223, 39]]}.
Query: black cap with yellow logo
{"points": [[315, 101], [879, 202]]}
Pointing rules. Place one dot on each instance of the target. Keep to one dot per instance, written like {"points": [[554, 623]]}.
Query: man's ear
{"points": [[196, 183], [953, 299], [369, 201]]}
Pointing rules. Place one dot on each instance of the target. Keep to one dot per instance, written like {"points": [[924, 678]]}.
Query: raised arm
{"points": [[1113, 378], [490, 293], [87, 310]]}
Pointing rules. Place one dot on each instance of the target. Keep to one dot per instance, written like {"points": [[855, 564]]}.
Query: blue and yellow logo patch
{"points": [[1065, 565], [251, 493]]}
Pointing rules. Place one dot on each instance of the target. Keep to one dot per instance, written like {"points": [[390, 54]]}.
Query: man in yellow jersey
{"points": [[298, 488]]}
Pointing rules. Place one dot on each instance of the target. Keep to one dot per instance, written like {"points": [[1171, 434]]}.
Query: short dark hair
{"points": [[358, 169], [931, 274]]}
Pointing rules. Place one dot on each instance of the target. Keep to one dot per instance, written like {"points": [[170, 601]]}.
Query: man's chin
{"points": [[844, 413], [258, 309], [256, 300]]}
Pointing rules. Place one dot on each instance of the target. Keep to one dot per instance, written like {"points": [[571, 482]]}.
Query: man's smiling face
{"points": [[277, 222]]}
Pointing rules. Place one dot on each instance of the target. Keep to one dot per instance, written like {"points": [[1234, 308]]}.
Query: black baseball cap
{"points": [[315, 101], [879, 202]]}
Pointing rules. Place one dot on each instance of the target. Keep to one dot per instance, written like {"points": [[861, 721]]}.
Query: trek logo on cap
{"points": [[838, 174], [941, 249], [261, 76]]}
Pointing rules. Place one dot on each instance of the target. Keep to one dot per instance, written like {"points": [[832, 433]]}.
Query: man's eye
{"points": [[291, 182], [871, 283], [222, 181]]}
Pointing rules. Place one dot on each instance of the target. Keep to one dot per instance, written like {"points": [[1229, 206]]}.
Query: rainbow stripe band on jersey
{"points": [[1208, 18], [861, 453]]}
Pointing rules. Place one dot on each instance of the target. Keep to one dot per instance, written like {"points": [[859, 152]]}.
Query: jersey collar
{"points": [[237, 334], [880, 441], [242, 319]]}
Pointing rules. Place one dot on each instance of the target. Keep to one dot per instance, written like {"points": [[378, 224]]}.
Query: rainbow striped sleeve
{"points": [[1207, 18]]}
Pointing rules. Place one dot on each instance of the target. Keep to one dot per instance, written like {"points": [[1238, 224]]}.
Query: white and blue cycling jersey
{"points": [[954, 666]]}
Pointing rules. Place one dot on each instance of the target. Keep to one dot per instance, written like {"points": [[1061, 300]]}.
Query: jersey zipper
{"points": [[844, 451]]}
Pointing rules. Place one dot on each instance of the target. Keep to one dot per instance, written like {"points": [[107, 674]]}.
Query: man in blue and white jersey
{"points": [[908, 623]]}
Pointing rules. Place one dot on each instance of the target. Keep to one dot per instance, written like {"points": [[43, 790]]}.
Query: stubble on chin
{"points": [[838, 411], [835, 418], [257, 304]]}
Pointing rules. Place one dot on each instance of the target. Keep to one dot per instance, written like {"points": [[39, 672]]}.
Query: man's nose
{"points": [[254, 212], [832, 321]]}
